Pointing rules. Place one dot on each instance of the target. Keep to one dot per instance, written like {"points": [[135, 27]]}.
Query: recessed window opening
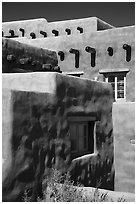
{"points": [[82, 137]]}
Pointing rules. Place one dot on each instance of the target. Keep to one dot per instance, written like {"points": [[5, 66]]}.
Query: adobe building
{"points": [[96, 52], [44, 112], [89, 47]]}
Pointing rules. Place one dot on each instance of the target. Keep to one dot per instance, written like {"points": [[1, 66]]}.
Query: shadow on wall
{"points": [[39, 131], [97, 169], [35, 150], [95, 173]]}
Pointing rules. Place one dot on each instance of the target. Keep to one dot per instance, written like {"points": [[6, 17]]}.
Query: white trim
{"points": [[113, 71], [95, 144], [106, 79], [86, 156], [73, 73], [115, 87], [115, 75], [125, 87]]}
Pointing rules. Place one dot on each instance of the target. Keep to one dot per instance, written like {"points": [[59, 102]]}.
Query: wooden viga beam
{"points": [[20, 57]]}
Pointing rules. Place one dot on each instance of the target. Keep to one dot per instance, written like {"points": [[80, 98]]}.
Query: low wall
{"points": [[111, 196], [96, 195]]}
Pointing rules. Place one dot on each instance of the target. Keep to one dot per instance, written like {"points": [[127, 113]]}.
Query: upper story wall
{"points": [[40, 28], [74, 53], [100, 41]]}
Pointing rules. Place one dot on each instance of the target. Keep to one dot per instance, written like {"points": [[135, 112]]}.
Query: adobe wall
{"points": [[100, 41], [33, 25], [91, 24], [36, 135], [19, 57], [124, 146], [87, 24]]}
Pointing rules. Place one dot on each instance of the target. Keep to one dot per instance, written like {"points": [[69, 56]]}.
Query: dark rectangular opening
{"points": [[82, 137]]}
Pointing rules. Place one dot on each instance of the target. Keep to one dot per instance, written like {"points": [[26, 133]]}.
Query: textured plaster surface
{"points": [[91, 24], [34, 82], [100, 40], [88, 24], [34, 25], [6, 131], [39, 136], [35, 57], [124, 134]]}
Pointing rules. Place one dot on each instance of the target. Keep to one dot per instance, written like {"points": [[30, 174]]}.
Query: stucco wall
{"points": [[87, 24], [38, 138], [124, 146], [33, 25], [19, 57], [100, 40], [91, 24]]}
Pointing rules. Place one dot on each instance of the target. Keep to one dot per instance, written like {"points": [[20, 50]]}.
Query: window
{"points": [[118, 82], [117, 78], [82, 137], [79, 137]]}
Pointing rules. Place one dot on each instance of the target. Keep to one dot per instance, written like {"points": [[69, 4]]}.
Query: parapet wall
{"points": [[40, 28], [14, 28], [36, 130], [78, 26]]}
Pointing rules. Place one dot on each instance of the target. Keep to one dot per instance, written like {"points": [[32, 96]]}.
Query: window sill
{"points": [[105, 71], [86, 156], [120, 100]]}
